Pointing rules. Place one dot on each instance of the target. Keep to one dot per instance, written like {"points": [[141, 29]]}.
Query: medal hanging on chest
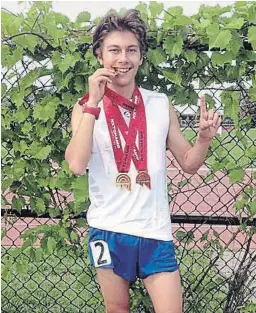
{"points": [[137, 129]]}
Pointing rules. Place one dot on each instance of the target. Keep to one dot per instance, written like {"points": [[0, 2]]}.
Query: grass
{"points": [[66, 284], [60, 284]]}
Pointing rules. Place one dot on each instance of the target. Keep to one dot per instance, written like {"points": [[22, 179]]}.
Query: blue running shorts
{"points": [[130, 256]]}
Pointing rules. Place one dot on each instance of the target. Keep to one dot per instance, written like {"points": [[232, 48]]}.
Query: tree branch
{"points": [[30, 33]]}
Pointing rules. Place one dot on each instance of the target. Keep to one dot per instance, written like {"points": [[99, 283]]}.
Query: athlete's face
{"points": [[121, 51]]}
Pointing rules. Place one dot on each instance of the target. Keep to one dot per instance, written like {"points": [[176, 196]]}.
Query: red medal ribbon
{"points": [[136, 128]]}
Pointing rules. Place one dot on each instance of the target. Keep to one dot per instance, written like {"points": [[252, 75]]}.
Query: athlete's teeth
{"points": [[123, 71]]}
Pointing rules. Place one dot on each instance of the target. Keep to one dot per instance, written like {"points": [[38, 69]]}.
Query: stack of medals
{"points": [[137, 126]]}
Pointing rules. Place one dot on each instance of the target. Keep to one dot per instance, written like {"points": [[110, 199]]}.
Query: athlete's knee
{"points": [[117, 308]]}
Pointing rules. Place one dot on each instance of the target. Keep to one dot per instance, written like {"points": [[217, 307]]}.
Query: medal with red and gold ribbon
{"points": [[136, 129]]}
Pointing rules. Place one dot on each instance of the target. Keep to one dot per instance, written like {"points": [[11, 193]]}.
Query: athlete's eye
{"points": [[114, 50]]}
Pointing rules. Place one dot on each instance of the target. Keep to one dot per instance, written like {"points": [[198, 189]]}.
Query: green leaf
{"points": [[190, 55], [18, 168], [79, 83], [173, 45], [61, 18], [18, 203], [252, 207], [30, 78], [27, 41], [67, 79], [3, 89], [235, 44], [143, 8], [11, 23], [51, 244], [204, 236], [56, 59], [43, 153], [235, 23], [74, 236], [4, 232], [38, 254], [69, 61], [218, 38], [21, 114], [209, 102], [175, 11], [20, 146], [44, 6], [230, 99], [63, 233], [56, 34], [182, 21], [81, 222], [80, 188], [14, 57], [17, 96], [221, 58], [155, 8], [44, 129], [85, 39], [180, 235], [236, 176], [46, 110], [252, 36], [156, 56], [83, 17], [240, 204], [250, 152], [252, 14], [39, 207], [26, 128], [68, 100], [27, 243], [173, 77], [6, 184], [54, 212]]}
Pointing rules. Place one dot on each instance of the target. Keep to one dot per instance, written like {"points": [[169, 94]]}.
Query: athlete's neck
{"points": [[125, 91]]}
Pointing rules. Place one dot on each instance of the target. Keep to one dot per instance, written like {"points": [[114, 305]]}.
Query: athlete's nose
{"points": [[123, 56]]}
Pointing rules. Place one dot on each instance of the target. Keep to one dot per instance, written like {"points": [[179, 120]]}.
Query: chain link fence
{"points": [[215, 242]]}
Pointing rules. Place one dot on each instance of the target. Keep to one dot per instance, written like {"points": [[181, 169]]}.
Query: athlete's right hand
{"points": [[97, 83]]}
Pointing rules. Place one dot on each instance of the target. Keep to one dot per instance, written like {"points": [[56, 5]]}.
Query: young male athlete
{"points": [[122, 132]]}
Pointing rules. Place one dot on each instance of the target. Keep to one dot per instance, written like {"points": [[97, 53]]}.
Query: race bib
{"points": [[100, 253]]}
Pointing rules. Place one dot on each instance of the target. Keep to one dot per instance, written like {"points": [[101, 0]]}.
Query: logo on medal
{"points": [[143, 178], [123, 181]]}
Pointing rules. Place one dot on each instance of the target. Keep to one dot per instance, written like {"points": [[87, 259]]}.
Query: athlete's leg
{"points": [[115, 291], [165, 291]]}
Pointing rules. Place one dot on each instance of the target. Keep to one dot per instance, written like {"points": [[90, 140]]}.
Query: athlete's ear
{"points": [[99, 57], [100, 60]]}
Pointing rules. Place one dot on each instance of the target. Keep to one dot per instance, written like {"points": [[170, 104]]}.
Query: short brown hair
{"points": [[131, 21]]}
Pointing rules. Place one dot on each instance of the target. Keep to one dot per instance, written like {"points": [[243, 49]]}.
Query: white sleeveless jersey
{"points": [[140, 212]]}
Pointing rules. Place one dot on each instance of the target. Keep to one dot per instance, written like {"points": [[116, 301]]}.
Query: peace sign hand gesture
{"points": [[209, 122]]}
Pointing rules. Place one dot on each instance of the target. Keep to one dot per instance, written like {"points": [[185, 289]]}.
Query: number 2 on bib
{"points": [[100, 253]]}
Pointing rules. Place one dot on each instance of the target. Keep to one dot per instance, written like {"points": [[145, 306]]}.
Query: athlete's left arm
{"points": [[191, 158]]}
